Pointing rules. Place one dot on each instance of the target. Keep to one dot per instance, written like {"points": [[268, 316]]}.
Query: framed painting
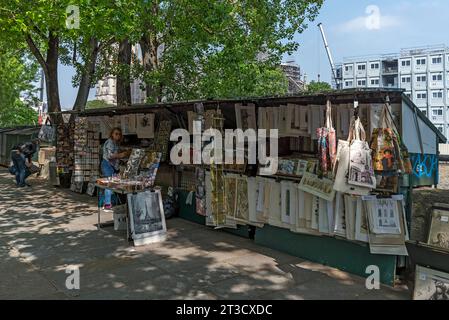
{"points": [[431, 285], [147, 220], [245, 116], [133, 164], [323, 188], [439, 229]]}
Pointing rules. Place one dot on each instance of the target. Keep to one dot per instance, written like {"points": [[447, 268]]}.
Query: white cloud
{"points": [[372, 21]]}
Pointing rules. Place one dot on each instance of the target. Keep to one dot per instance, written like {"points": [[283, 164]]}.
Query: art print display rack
{"points": [[306, 236]]}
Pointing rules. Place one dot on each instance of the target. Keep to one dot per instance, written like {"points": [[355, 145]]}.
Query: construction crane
{"points": [[329, 55]]}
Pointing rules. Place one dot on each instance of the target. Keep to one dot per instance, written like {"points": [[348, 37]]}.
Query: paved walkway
{"points": [[44, 229]]}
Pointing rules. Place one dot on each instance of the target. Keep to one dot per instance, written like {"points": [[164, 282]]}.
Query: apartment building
{"points": [[422, 72]]}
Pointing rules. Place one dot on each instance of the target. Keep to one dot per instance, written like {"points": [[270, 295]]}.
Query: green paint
{"points": [[187, 211], [341, 254]]}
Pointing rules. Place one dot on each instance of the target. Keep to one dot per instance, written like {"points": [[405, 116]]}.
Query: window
{"points": [[361, 67], [406, 63], [437, 60], [437, 77], [424, 111], [421, 62], [348, 68], [438, 112], [374, 66], [406, 79], [361, 83], [348, 83], [421, 95], [408, 94], [421, 78], [437, 95], [374, 82]]}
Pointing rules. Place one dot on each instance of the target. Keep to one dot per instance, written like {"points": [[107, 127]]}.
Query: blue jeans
{"points": [[108, 171], [21, 170]]}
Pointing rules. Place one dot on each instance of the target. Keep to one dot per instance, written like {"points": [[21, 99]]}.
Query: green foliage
{"points": [[98, 104], [16, 89], [220, 49], [317, 87], [196, 49]]}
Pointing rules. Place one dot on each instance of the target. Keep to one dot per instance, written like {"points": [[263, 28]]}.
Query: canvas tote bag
{"points": [[47, 132], [341, 168], [385, 145], [361, 171], [327, 144]]}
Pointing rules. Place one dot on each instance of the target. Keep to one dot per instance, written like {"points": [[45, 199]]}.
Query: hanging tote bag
{"points": [[386, 150], [47, 132], [341, 168], [327, 144], [361, 172], [404, 157]]}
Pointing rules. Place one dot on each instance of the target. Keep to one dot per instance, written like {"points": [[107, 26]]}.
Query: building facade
{"points": [[293, 73], [106, 89], [422, 72]]}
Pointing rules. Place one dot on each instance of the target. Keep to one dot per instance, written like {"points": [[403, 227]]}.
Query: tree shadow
{"points": [[46, 231]]}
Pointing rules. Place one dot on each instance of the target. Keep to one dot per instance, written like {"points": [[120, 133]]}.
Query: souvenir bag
{"points": [[386, 151], [47, 132], [361, 171], [341, 168], [327, 144], [404, 157]]}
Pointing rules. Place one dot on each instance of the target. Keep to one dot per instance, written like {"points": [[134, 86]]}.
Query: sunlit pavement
{"points": [[44, 230]]}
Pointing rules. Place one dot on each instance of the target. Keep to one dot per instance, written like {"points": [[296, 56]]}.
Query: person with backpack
{"points": [[21, 157]]}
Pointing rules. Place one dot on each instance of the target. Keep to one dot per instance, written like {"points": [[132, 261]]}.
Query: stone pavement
{"points": [[43, 230]]}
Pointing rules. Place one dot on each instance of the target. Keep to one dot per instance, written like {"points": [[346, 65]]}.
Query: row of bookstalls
{"points": [[341, 192]]}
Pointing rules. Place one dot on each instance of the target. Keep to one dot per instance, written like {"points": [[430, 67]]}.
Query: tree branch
{"points": [[37, 54]]}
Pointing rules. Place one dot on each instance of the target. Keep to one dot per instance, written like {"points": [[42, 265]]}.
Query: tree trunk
{"points": [[51, 76], [49, 65], [87, 76], [123, 77], [149, 46]]}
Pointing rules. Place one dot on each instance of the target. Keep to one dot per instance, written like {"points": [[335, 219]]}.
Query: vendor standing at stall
{"points": [[110, 162]]}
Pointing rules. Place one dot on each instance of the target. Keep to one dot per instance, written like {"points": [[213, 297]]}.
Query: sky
{"points": [[353, 28]]}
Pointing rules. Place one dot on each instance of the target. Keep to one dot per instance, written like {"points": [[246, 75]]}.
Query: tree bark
{"points": [[123, 78], [87, 76], [54, 103], [50, 66]]}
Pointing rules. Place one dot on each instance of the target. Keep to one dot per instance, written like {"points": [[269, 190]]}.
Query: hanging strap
{"points": [[356, 130], [329, 123], [48, 121]]}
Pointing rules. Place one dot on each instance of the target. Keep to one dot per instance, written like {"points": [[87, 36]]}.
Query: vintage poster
{"points": [[147, 220], [431, 285]]}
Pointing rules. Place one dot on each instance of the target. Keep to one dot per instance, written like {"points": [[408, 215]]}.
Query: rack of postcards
{"points": [[338, 174], [146, 147]]}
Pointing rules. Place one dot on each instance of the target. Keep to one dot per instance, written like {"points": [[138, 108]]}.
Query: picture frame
{"points": [[323, 188], [431, 284], [133, 164], [145, 125], [296, 123], [245, 116], [147, 219], [340, 215], [438, 235], [288, 202]]}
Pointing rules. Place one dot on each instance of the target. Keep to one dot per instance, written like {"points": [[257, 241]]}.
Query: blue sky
{"points": [[402, 23]]}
